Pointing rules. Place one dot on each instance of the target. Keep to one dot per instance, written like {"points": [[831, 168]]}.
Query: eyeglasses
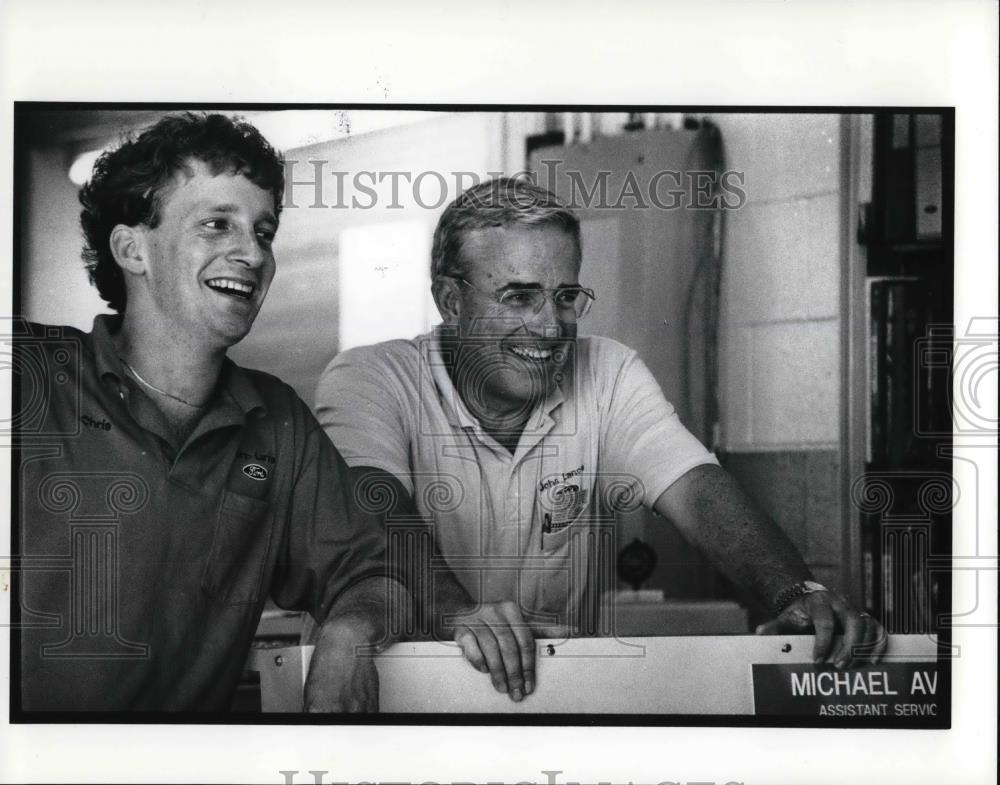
{"points": [[569, 301]]}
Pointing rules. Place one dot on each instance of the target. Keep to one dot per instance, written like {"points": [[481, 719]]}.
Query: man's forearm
{"points": [[369, 614], [363, 621], [710, 508], [436, 592], [449, 599]]}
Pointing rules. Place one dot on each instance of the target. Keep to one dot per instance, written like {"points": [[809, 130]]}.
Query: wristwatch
{"points": [[790, 594]]}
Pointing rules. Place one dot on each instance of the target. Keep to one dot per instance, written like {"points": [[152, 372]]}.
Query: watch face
{"points": [[813, 586]]}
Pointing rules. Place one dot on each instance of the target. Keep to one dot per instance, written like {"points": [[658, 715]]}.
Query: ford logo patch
{"points": [[255, 471]]}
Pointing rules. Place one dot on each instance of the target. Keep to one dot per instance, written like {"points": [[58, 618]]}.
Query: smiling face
{"points": [[510, 359], [208, 262]]}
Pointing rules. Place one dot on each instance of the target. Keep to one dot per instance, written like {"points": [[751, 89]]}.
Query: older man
{"points": [[179, 490], [517, 439]]}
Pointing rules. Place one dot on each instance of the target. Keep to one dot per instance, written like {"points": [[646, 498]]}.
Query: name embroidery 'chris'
{"points": [[98, 424]]}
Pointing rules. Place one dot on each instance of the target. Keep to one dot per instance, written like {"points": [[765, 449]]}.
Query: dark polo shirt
{"points": [[145, 568]]}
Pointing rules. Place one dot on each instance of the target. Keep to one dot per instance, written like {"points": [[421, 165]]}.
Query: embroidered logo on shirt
{"points": [[562, 500], [255, 471]]}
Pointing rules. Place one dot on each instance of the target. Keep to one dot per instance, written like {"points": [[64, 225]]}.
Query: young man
{"points": [[176, 490], [518, 440]]}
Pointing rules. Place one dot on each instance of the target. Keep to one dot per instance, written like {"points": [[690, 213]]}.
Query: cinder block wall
{"points": [[781, 322]]}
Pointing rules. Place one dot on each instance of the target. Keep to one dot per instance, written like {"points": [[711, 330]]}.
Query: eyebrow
{"points": [[533, 286], [228, 209]]}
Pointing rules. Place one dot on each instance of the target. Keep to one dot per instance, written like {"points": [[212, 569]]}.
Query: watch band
{"points": [[790, 594]]}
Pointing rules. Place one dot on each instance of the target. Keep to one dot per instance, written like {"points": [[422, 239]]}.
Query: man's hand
{"points": [[496, 640], [715, 513], [864, 639]]}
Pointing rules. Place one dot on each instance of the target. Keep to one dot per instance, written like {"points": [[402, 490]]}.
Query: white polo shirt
{"points": [[526, 526]]}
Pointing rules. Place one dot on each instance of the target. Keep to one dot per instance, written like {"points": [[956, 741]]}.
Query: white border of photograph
{"points": [[760, 53]]}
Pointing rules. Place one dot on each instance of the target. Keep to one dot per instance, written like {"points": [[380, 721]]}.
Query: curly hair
{"points": [[499, 202], [129, 183]]}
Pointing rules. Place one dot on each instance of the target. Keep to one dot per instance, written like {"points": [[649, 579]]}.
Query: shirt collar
{"points": [[239, 385], [436, 357], [105, 356], [235, 383]]}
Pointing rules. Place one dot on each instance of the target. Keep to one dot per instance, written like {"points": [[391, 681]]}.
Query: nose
{"points": [[549, 321], [248, 250]]}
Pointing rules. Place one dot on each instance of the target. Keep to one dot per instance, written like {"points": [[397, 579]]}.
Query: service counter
{"points": [[715, 675]]}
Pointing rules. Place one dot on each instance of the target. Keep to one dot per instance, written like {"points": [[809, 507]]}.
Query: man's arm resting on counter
{"points": [[342, 675], [493, 636], [715, 514]]}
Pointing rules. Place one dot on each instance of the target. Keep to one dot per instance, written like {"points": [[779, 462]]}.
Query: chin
{"points": [[519, 391], [231, 334]]}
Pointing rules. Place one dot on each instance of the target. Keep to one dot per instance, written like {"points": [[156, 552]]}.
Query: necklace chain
{"points": [[154, 388]]}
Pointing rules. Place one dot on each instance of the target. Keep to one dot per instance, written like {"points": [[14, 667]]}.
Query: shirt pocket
{"points": [[241, 545], [553, 542], [564, 510]]}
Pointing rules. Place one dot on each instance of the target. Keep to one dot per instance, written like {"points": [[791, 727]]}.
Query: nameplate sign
{"points": [[897, 690]]}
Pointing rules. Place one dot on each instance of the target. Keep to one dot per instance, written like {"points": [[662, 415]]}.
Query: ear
{"points": [[449, 304], [128, 246]]}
